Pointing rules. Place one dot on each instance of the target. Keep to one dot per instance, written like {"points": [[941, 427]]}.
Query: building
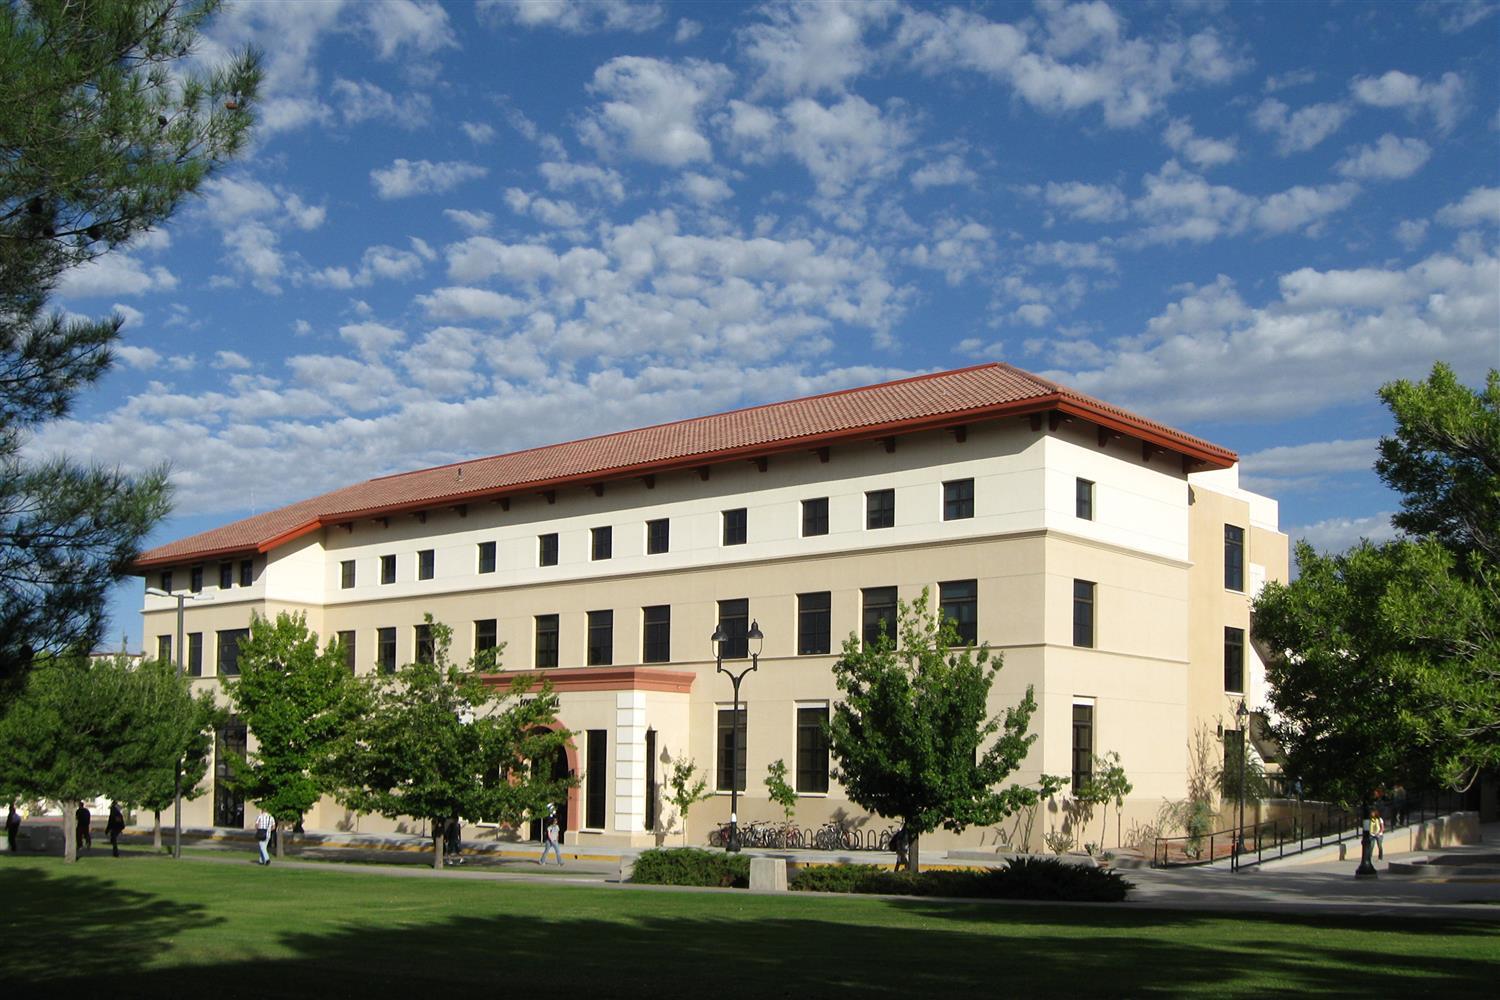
{"points": [[1110, 558]]}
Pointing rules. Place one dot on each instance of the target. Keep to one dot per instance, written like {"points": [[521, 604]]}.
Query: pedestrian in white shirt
{"points": [[264, 824]]}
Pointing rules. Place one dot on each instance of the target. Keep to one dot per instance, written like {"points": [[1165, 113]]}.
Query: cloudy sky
{"points": [[465, 229]]}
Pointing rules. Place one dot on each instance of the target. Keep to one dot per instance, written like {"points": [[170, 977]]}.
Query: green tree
{"points": [[912, 732], [687, 789], [298, 701], [1109, 784], [439, 741], [782, 793], [102, 134]]}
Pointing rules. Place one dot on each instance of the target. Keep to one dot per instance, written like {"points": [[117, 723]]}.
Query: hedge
{"points": [[691, 866], [1020, 878]]}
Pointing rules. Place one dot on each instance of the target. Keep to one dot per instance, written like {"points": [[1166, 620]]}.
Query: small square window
{"points": [[601, 543], [880, 509], [734, 526], [1084, 501], [658, 536], [387, 569], [546, 549], [426, 561], [486, 557], [346, 574], [958, 500], [814, 517], [226, 575]]}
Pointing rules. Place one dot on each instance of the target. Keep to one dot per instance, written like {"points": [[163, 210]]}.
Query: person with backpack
{"points": [[1377, 832], [114, 827], [265, 824]]}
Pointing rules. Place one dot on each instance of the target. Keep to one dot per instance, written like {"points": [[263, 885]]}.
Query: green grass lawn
{"points": [[144, 925]]}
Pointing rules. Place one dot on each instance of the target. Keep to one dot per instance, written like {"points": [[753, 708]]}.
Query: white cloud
{"points": [[1302, 207], [1304, 468], [949, 170], [1479, 207], [1203, 152], [230, 361], [382, 264], [371, 338], [846, 143], [651, 109], [957, 247], [116, 273], [1300, 130], [704, 190], [1073, 256], [811, 48], [1410, 233], [139, 358], [601, 181], [303, 216], [478, 132], [1291, 78], [129, 315], [1390, 158], [1180, 206], [228, 199], [1443, 101], [405, 178], [1089, 202], [474, 222], [1339, 534], [411, 26], [362, 101], [554, 214], [457, 303], [578, 17], [687, 30], [1455, 16], [254, 250]]}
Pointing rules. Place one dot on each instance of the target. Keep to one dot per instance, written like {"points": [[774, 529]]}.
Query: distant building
{"points": [[1111, 559]]}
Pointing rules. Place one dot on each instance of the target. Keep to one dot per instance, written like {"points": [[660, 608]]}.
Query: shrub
{"points": [[1021, 878], [691, 866], [1048, 878]]}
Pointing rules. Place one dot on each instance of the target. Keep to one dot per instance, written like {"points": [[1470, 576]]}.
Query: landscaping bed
{"points": [[1021, 878]]}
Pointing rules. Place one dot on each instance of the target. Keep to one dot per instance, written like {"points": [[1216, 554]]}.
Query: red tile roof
{"points": [[925, 402]]}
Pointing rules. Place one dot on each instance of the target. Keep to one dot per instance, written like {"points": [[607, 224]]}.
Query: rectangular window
{"points": [[880, 509], [656, 645], [1083, 500], [422, 635], [195, 654], [958, 500], [486, 557], [226, 575], [879, 615], [601, 651], [385, 650], [247, 572], [658, 536], [546, 549], [601, 543], [195, 579], [734, 526], [346, 574], [346, 645], [812, 749], [731, 746], [814, 517], [164, 648], [1083, 613], [814, 628], [387, 569], [1083, 747], [229, 650], [1234, 660], [734, 619], [486, 636], [546, 641], [1234, 557], [595, 779], [426, 563], [959, 602], [166, 581]]}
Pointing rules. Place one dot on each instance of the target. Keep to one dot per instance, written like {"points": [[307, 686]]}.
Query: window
{"points": [[812, 749], [1234, 557], [601, 652], [601, 543], [958, 500], [879, 617], [656, 646], [814, 517], [958, 600], [346, 645], [195, 654], [486, 557], [734, 526], [166, 581], [1234, 660], [1083, 499], [1083, 613], [1083, 747], [226, 575], [423, 643], [385, 650], [164, 648], [426, 560], [196, 580], [734, 619], [546, 641], [731, 745], [546, 549], [346, 574], [229, 650], [880, 509], [814, 629], [658, 536], [387, 569], [594, 787], [247, 572], [486, 638]]}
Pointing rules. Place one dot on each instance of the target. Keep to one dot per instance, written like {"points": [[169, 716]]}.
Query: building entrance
{"points": [[229, 805], [559, 770]]}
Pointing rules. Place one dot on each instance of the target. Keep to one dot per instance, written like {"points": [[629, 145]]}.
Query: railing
{"points": [[789, 836]]}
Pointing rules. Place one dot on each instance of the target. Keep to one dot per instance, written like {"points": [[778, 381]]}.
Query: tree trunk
{"points": [[913, 862], [280, 842], [70, 837], [437, 851], [156, 831]]}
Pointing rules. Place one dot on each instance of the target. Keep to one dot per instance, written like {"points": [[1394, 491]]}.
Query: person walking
{"points": [[82, 835], [114, 827], [1377, 832], [550, 841], [265, 823], [12, 828], [453, 845]]}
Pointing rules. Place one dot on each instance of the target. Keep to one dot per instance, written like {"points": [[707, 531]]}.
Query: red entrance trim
{"points": [[602, 679]]}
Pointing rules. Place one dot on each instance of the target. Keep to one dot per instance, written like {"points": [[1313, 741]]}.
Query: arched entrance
{"points": [[562, 765]]}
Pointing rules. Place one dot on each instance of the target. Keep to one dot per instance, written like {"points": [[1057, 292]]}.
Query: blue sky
{"points": [[465, 229]]}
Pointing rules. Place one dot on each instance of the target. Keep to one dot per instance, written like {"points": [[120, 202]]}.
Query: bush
{"points": [[1048, 878], [691, 866], [1021, 878]]}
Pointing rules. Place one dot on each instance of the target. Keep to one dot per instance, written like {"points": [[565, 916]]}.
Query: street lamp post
{"points": [[718, 639], [1242, 714], [177, 775]]}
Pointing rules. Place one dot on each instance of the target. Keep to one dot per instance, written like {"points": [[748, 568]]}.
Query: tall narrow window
{"points": [[1083, 613], [651, 786], [247, 572], [546, 641], [601, 645], [658, 536], [730, 772], [814, 517], [595, 779], [734, 526], [601, 543], [486, 638], [546, 549], [958, 500], [1234, 660], [195, 654], [656, 629], [195, 580], [879, 615], [812, 749], [346, 644], [1083, 499], [385, 650], [164, 648], [387, 569], [880, 509], [734, 619], [959, 602], [346, 574], [814, 629], [426, 563], [166, 581], [1083, 747], [229, 650], [1234, 557], [226, 575], [422, 643], [486, 557]]}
